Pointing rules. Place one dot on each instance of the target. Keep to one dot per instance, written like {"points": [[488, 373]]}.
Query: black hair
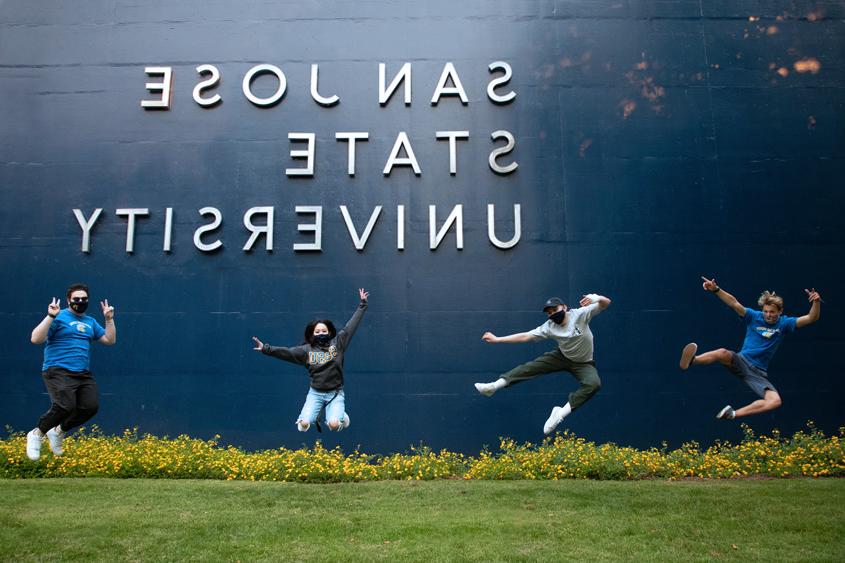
{"points": [[309, 329], [77, 287]]}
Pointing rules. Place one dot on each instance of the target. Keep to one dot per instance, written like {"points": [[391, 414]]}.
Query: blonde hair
{"points": [[770, 298]]}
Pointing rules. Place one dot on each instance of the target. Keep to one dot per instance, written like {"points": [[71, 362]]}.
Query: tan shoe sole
{"points": [[688, 354]]}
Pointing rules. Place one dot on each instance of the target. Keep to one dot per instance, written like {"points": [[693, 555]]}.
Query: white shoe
{"points": [[33, 445], [727, 413], [56, 437], [486, 389], [554, 419]]}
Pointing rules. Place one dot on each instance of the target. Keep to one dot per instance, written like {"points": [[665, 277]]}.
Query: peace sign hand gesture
{"points": [[54, 307], [258, 344], [108, 310]]}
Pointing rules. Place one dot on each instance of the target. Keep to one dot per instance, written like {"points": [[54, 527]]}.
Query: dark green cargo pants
{"points": [[553, 361]]}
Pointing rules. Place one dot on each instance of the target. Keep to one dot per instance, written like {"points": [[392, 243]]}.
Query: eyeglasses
{"points": [[79, 299]]}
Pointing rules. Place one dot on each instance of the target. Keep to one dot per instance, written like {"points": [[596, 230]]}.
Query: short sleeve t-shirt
{"points": [[573, 337], [762, 339], [69, 341]]}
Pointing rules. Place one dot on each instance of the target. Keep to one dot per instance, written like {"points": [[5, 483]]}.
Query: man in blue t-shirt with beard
{"points": [[70, 384], [764, 333]]}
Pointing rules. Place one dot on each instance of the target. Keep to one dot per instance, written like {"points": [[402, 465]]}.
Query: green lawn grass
{"points": [[144, 520]]}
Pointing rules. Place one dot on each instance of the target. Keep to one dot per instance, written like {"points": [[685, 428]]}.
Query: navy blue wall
{"points": [[656, 141]]}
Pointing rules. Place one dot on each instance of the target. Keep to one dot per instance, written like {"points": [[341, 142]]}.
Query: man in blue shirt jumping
{"points": [[764, 333], [70, 384]]}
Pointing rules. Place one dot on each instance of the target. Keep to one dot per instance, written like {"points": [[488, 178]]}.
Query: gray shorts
{"points": [[753, 376]]}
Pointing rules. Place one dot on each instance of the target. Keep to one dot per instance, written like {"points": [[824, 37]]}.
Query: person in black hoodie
{"points": [[322, 354]]}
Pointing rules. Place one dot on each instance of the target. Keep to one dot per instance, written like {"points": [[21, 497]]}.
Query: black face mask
{"points": [[557, 317], [79, 306], [322, 340]]}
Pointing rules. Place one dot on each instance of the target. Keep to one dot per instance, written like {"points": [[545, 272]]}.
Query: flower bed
{"points": [[90, 453]]}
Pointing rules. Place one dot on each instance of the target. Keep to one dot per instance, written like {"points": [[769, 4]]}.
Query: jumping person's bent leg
{"points": [[588, 376], [722, 356], [770, 402], [87, 403], [336, 412], [61, 389], [63, 400], [549, 362], [310, 410], [757, 379]]}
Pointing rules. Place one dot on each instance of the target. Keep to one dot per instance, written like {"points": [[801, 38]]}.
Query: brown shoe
{"points": [[688, 355]]}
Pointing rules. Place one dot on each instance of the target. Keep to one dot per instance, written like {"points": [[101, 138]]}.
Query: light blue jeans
{"points": [[316, 400]]}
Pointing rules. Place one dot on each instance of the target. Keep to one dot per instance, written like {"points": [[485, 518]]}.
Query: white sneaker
{"points": [[33, 445], [486, 389], [56, 437], [554, 419], [727, 413]]}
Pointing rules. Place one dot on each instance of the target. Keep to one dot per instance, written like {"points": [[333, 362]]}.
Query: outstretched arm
{"points": [[294, 355], [727, 298], [39, 333], [509, 339], [815, 309]]}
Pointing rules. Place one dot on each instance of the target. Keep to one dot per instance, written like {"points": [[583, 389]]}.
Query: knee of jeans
{"points": [[303, 425], [593, 387], [334, 424]]}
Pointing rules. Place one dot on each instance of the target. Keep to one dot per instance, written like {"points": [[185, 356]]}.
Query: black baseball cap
{"points": [[552, 302]]}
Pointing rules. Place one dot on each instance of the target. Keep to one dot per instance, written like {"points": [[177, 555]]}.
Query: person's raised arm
{"points": [[345, 334], [602, 301], [39, 333], [815, 309], [509, 339], [110, 336], [727, 298]]}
